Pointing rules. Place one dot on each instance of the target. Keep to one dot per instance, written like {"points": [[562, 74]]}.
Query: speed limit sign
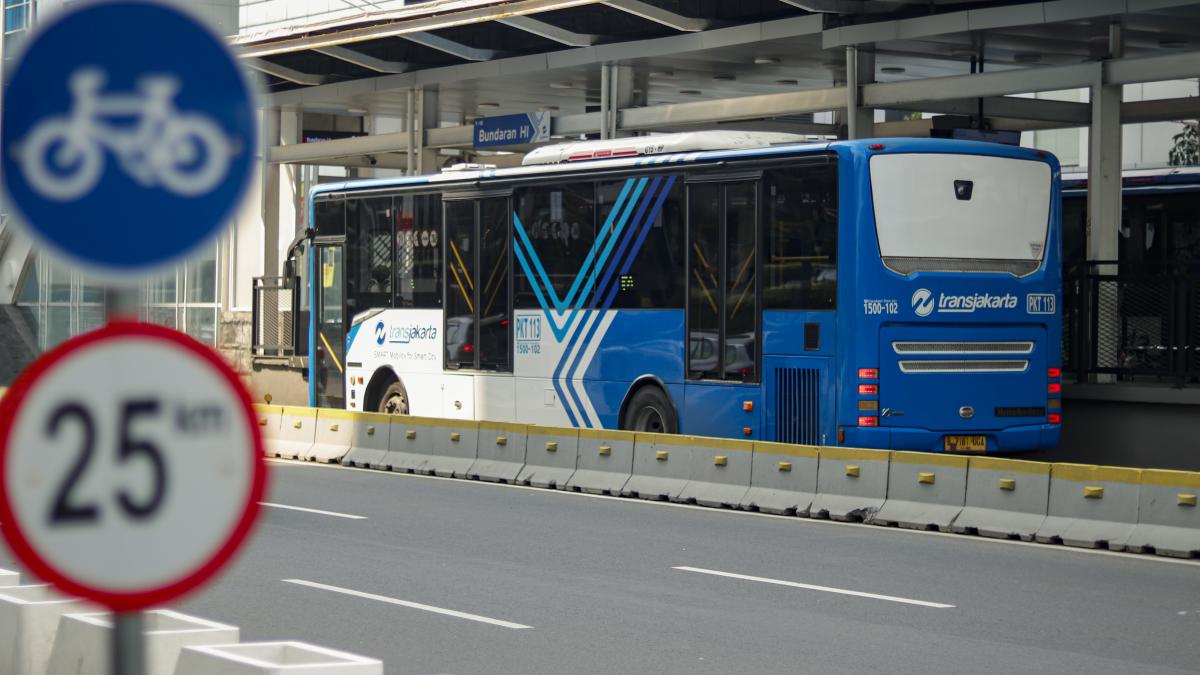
{"points": [[130, 465]]}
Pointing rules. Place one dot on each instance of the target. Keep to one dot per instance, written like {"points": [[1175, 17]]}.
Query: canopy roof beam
{"points": [[465, 52], [550, 31], [659, 15], [285, 73], [364, 60]]}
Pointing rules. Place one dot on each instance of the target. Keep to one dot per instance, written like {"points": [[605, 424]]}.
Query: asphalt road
{"points": [[447, 576]]}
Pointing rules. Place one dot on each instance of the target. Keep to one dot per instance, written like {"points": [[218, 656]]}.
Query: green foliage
{"points": [[1187, 146]]}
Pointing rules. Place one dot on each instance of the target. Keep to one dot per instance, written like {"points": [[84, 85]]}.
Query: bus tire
{"points": [[650, 410], [394, 400]]}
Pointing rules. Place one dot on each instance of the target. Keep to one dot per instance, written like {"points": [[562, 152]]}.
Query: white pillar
{"points": [[1104, 201], [860, 70]]}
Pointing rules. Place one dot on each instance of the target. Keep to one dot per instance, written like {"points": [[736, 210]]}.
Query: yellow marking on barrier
{"points": [[1185, 499], [502, 440], [929, 459], [297, 424], [1088, 473], [661, 455], [603, 434], [1093, 491], [730, 444], [370, 431], [333, 427], [854, 454], [1183, 479], [784, 466], [853, 471], [301, 411], [1009, 484], [262, 421], [510, 427], [926, 477], [786, 449], [604, 450], [267, 409], [455, 436], [1008, 465], [410, 434], [720, 460], [551, 446], [339, 414]]}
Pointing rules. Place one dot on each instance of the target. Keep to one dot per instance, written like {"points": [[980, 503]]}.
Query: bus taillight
{"points": [[868, 373], [1054, 373], [1054, 418], [868, 421], [1054, 388], [868, 389]]}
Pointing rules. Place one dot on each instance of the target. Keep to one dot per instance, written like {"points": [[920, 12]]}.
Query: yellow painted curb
{"points": [[1088, 473], [855, 454], [929, 459], [605, 434], [1012, 465], [1167, 478], [511, 427], [300, 411], [786, 449]]}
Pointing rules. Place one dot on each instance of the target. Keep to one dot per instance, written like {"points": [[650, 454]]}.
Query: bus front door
{"points": [[329, 350]]}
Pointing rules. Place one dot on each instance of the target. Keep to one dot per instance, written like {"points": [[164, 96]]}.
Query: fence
{"points": [[276, 305], [1134, 322]]}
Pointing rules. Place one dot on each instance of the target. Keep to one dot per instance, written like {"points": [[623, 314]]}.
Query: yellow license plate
{"points": [[965, 443]]}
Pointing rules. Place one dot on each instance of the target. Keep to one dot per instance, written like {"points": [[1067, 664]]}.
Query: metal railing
{"points": [[276, 310], [1133, 322]]}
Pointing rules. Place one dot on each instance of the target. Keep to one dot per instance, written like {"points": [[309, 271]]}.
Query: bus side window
{"points": [[801, 219], [418, 220], [369, 257]]}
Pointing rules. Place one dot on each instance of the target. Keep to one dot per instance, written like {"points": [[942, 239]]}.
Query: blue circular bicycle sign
{"points": [[127, 136]]}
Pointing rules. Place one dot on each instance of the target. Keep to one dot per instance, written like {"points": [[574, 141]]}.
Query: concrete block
{"points": [[29, 618], [550, 457], [270, 419], [851, 484], [334, 432], [1091, 506], [925, 491], [1168, 520], [369, 440], [501, 452], [604, 463], [720, 472], [1006, 498], [297, 431], [273, 658], [430, 446], [661, 466], [456, 446], [84, 641], [9, 578], [783, 479]]}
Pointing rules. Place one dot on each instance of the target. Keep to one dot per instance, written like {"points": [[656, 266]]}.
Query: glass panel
{"points": [[495, 302], [31, 289], [1074, 232], [201, 324], [741, 225], [460, 284], [331, 330], [556, 225], [163, 316], [30, 314], [91, 317], [650, 276], [330, 217], [58, 325], [161, 290], [91, 291], [801, 238], [418, 252], [15, 18], [202, 277], [369, 254], [59, 282], [704, 284]]}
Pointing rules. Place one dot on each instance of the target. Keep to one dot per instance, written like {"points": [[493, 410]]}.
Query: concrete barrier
{"points": [[550, 457], [9, 578], [335, 430], [369, 441], [83, 645], [851, 484], [925, 491], [430, 446], [783, 479], [1168, 519], [604, 463], [1006, 498], [1091, 506], [270, 418], [297, 430], [29, 618], [273, 658], [501, 452], [719, 474], [661, 466]]}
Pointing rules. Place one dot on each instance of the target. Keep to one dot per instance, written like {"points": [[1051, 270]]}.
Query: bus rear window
{"points": [[941, 212]]}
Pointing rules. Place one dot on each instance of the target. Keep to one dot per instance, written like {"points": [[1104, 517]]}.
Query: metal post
{"points": [[851, 92], [1104, 198], [410, 114], [128, 648], [605, 99]]}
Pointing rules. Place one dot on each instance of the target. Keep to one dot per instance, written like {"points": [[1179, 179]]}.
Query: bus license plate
{"points": [[965, 443]]}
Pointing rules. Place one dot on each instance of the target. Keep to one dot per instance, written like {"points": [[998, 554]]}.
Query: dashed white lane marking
{"points": [[335, 514], [411, 605], [812, 587]]}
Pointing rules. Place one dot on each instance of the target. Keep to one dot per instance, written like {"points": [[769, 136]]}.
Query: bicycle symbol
{"points": [[63, 157]]}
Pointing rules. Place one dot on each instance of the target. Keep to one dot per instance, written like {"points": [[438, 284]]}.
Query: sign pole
{"points": [[128, 647]]}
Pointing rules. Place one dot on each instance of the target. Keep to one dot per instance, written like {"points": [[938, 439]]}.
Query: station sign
{"points": [[503, 130], [134, 138], [131, 465]]}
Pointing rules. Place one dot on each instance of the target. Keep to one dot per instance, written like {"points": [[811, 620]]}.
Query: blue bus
{"points": [[890, 293]]}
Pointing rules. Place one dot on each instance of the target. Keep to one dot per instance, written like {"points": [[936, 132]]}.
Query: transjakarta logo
{"points": [[923, 302], [404, 334]]}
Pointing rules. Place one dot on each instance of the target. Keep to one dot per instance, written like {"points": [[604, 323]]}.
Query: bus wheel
{"points": [[394, 400], [650, 410]]}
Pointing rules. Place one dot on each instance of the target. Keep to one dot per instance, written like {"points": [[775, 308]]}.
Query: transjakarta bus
{"points": [[891, 293]]}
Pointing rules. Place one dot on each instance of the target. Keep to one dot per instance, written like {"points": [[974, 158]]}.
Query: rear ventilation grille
{"points": [[798, 405], [906, 266], [963, 347], [980, 366], [1021, 411]]}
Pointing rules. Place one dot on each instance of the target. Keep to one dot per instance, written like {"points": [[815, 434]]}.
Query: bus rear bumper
{"points": [[1012, 439]]}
